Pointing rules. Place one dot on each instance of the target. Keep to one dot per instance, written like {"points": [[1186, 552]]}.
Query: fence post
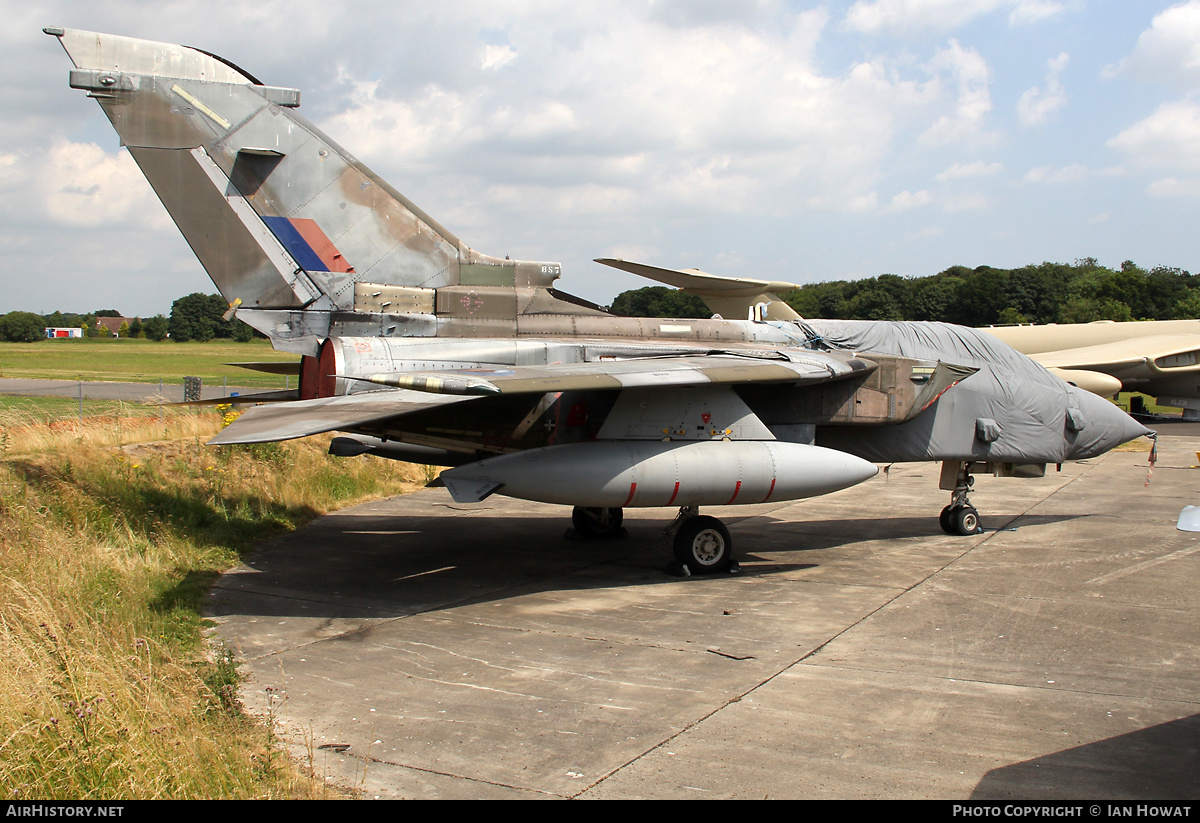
{"points": [[191, 388], [79, 395]]}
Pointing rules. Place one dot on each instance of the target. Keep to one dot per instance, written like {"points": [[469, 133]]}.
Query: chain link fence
{"points": [[49, 401]]}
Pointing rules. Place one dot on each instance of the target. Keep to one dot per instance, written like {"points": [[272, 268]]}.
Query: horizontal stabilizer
{"points": [[280, 396], [730, 297], [271, 366], [286, 421]]}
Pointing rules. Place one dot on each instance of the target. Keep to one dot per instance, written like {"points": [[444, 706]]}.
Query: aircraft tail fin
{"points": [[280, 216]]}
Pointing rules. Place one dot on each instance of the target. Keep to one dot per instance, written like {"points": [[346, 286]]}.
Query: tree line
{"points": [[1079, 292], [193, 317]]}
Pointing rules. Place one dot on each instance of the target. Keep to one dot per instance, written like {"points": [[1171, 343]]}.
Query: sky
{"points": [[796, 141]]}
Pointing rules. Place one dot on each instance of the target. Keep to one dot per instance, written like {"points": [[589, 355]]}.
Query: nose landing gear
{"points": [[960, 517]]}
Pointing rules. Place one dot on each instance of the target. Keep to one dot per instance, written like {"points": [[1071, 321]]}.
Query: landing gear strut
{"points": [[701, 544], [960, 517], [595, 524]]}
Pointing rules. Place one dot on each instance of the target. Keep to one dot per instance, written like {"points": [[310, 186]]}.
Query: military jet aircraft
{"points": [[1160, 358], [419, 348]]}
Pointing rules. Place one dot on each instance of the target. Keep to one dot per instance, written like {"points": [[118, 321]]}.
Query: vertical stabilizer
{"points": [[279, 215]]}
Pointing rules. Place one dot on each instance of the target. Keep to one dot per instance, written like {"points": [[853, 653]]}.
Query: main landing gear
{"points": [[701, 544], [595, 524], [960, 517]]}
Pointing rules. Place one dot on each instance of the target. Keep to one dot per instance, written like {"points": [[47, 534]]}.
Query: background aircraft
{"points": [[423, 349], [1160, 358]]}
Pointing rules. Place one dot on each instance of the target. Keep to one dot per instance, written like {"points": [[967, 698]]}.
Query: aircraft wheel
{"points": [[594, 523], [944, 520], [964, 520], [703, 545]]}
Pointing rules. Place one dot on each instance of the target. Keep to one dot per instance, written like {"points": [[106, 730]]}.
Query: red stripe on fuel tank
{"points": [[770, 491], [629, 499], [736, 489], [674, 494]]}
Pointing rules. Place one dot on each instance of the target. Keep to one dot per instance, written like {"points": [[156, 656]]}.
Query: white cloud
{"points": [[1073, 173], [1038, 104], [959, 171], [1174, 187], [906, 200], [925, 233], [970, 72], [975, 201], [1035, 11], [732, 118], [904, 17], [1168, 51], [1169, 138], [80, 184], [496, 56]]}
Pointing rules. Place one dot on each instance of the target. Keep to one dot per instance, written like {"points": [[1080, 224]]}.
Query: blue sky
{"points": [[788, 140]]}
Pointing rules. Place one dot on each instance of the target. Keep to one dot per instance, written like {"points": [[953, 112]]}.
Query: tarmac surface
{"points": [[414, 647]]}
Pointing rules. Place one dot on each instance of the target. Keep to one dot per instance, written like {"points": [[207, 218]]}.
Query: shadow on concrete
{"points": [[395, 565], [1160, 762]]}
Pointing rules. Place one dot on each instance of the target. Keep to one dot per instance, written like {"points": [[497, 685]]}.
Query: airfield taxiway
{"points": [[413, 647]]}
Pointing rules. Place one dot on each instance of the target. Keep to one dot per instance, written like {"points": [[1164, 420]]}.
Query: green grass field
{"points": [[142, 361]]}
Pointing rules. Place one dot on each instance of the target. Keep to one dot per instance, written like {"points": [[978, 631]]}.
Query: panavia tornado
{"points": [[417, 347]]}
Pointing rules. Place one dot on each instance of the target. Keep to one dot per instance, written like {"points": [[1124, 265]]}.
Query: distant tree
{"points": [[241, 332], [659, 301], [1188, 308], [107, 313], [156, 327], [803, 300], [198, 317], [135, 327], [91, 328], [22, 327], [980, 298], [878, 298], [929, 298], [1078, 292], [123, 329], [1089, 310], [825, 300], [1011, 317]]}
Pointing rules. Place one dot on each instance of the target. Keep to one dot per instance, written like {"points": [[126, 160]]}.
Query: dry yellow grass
{"points": [[107, 689]]}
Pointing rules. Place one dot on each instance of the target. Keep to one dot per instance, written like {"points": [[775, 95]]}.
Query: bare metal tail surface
{"points": [[290, 227]]}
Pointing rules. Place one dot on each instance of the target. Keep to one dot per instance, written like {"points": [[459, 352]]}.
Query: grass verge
{"points": [[142, 361], [107, 689]]}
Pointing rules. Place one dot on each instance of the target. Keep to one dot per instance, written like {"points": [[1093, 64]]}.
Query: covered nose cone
{"points": [[1097, 425]]}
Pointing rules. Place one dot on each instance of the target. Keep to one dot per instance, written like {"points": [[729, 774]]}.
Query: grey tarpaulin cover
{"points": [[1027, 403]]}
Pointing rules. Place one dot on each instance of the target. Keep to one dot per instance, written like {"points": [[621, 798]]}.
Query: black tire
{"points": [[593, 523], [703, 545], [944, 520], [964, 520]]}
